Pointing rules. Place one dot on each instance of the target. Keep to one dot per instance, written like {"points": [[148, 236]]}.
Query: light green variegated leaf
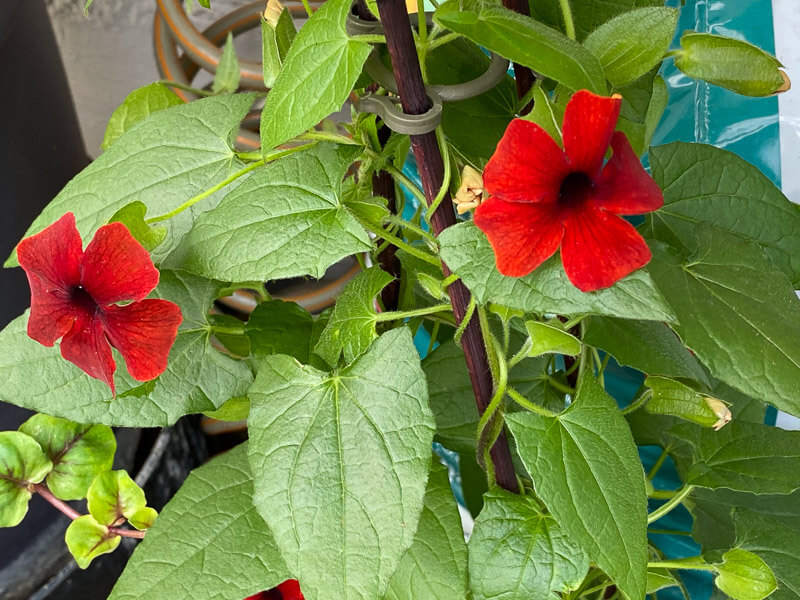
{"points": [[208, 542], [340, 462], [776, 544], [737, 313], [78, 452], [706, 187], [467, 252], [22, 463], [631, 44], [452, 398], [114, 495], [524, 41], [136, 106], [351, 328], [435, 566], [743, 575], [586, 469], [319, 71], [746, 457], [286, 220], [648, 346], [162, 161], [198, 377], [516, 552], [87, 539]]}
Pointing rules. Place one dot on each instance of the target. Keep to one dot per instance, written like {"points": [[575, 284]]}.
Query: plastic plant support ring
{"points": [[399, 121]]}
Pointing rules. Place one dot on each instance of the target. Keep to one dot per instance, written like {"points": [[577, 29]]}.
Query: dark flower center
{"points": [[80, 297], [575, 189]]}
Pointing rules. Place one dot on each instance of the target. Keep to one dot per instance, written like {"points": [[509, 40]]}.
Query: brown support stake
{"points": [[383, 186], [522, 75], [414, 99]]}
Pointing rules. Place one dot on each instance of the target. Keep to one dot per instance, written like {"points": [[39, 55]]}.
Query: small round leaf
{"points": [[87, 539], [744, 576], [114, 495], [144, 518], [78, 452], [22, 463]]}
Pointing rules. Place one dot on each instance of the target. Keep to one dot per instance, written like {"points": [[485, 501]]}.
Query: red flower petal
{"points": [[86, 347], [143, 332], [53, 255], [52, 314], [288, 590], [527, 166], [523, 235], [624, 187], [600, 248], [116, 267], [589, 122]]}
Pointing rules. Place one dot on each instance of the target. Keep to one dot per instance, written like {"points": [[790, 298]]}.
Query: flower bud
{"points": [[273, 12], [721, 410], [470, 192]]}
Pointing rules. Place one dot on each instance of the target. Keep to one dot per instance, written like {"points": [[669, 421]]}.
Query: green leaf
{"points": [[278, 327], [587, 14], [364, 434], [707, 186], [649, 346], [670, 397], [744, 576], [113, 495], [351, 328], [270, 55], [545, 113], [658, 579], [643, 105], [524, 41], [746, 457], [136, 106], [453, 400], [208, 541], [235, 409], [198, 378], [319, 72], [729, 63], [22, 463], [132, 216], [292, 207], [586, 469], [551, 339], [713, 526], [473, 126], [776, 544], [631, 44], [87, 539], [169, 157], [516, 552], [435, 566], [467, 252], [78, 452], [738, 315], [226, 79]]}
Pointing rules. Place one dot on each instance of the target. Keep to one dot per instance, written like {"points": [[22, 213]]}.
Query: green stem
{"points": [[522, 354], [442, 40], [584, 356], [598, 588], [185, 88], [307, 6], [396, 220], [327, 136], [465, 321], [638, 402], [484, 442], [658, 464], [403, 245], [434, 334], [257, 155], [668, 532], [681, 565], [407, 184], [369, 38], [663, 494], [669, 505], [422, 24], [407, 314], [525, 403], [270, 156], [446, 177], [560, 386], [569, 22]]}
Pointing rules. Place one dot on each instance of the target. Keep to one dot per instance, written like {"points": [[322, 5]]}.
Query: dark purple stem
{"points": [[400, 41], [523, 76]]}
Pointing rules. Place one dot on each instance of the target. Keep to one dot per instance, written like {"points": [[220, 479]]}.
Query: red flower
{"points": [[543, 197], [288, 590], [74, 294]]}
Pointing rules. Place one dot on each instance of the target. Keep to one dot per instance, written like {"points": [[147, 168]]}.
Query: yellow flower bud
{"points": [[470, 192], [721, 410]]}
